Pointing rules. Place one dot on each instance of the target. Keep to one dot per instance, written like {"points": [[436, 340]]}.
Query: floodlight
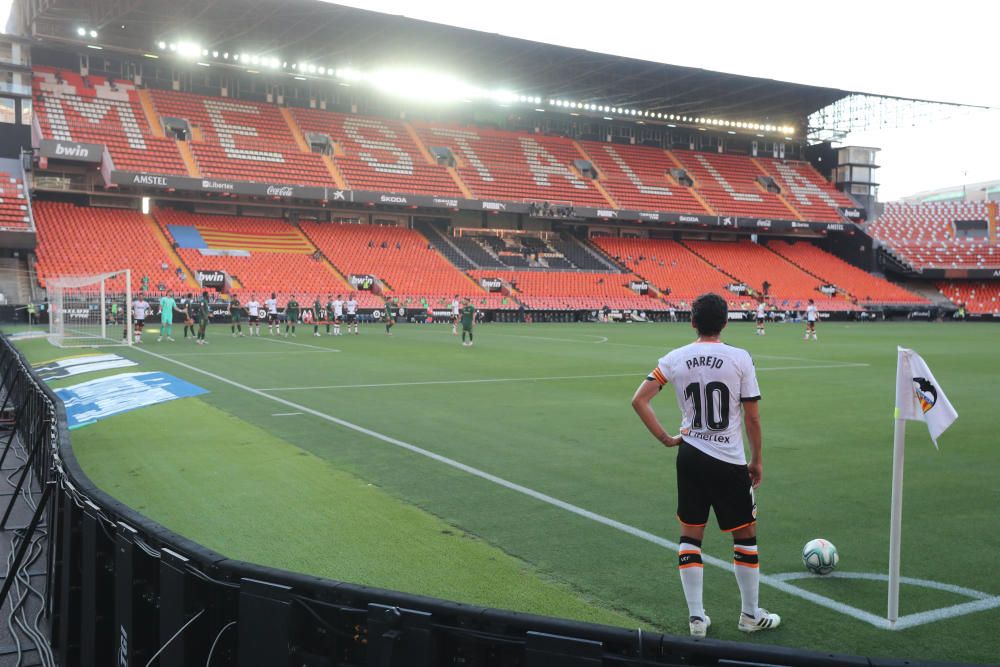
{"points": [[161, 45], [172, 46], [215, 54], [93, 34], [82, 32], [204, 52], [225, 55]]}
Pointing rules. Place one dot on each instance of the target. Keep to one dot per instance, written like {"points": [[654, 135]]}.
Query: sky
{"points": [[926, 51]]}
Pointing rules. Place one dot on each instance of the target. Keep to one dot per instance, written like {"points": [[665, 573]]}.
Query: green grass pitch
{"points": [[355, 471]]}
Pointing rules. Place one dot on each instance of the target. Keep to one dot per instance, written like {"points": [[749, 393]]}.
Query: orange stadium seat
{"points": [[246, 141], [515, 166], [82, 240], [71, 110], [413, 271], [729, 184], [280, 258], [636, 178], [378, 154], [863, 286], [806, 190], [979, 296], [923, 235], [667, 265], [552, 290], [14, 214], [754, 264]]}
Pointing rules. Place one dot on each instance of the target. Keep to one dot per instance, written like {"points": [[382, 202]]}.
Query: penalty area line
{"points": [[783, 586]]}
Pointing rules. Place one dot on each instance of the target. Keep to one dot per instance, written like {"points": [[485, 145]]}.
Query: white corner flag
{"points": [[918, 398]]}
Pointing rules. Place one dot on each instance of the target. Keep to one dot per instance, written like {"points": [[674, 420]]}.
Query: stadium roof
{"points": [[296, 30]]}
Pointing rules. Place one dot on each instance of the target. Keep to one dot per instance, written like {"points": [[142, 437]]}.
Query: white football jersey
{"points": [[338, 307], [811, 313], [139, 309], [352, 307], [253, 307], [272, 306], [454, 307], [711, 381], [760, 311]]}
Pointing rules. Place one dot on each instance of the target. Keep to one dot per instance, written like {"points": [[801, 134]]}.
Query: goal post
{"points": [[91, 311]]}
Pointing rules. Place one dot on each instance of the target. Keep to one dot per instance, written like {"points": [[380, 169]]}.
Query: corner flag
{"points": [[918, 395], [918, 398]]}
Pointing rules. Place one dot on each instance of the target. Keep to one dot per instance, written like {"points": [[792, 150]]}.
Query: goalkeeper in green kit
{"points": [[167, 307], [468, 316], [291, 315]]}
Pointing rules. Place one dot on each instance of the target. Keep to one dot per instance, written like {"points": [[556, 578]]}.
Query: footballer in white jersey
{"points": [[717, 393], [812, 314], [455, 307], [140, 308], [253, 312], [761, 316], [352, 314]]}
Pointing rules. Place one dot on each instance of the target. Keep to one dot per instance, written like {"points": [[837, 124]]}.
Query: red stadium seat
{"points": [[72, 110], [923, 235], [83, 240]]}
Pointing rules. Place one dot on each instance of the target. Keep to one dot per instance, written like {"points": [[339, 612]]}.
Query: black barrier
{"points": [[122, 590]]}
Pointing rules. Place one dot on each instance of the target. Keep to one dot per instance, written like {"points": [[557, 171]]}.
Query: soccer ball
{"points": [[820, 556]]}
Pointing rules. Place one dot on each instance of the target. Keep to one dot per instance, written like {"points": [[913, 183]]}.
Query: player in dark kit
{"points": [[319, 315], [715, 385], [187, 304], [468, 316], [203, 314], [236, 313], [390, 316], [291, 315]]}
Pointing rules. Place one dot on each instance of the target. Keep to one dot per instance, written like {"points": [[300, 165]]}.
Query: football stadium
{"points": [[333, 338]]}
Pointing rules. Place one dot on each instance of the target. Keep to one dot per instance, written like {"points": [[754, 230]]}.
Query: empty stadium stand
{"points": [[14, 213], [669, 266], [240, 140], [552, 290], [979, 296], [276, 256], [515, 166], [729, 184], [806, 190], [924, 236], [82, 240], [378, 154], [95, 110], [753, 264], [400, 258], [636, 177], [861, 285]]}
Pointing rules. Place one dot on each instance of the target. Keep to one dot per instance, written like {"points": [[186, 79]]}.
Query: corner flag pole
{"points": [[896, 517]]}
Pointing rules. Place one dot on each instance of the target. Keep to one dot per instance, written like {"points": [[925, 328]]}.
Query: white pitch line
{"points": [[524, 379], [288, 342], [980, 602], [555, 502], [241, 354], [478, 381], [285, 414]]}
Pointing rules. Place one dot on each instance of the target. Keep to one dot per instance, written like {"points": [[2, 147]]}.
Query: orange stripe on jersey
{"points": [[659, 376]]}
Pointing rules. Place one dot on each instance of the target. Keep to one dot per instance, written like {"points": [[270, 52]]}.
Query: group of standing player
{"points": [[337, 312]]}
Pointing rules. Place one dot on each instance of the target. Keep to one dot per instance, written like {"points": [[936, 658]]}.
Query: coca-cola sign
{"points": [[280, 191]]}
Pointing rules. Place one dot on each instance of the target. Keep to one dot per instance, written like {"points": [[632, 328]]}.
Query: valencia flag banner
{"points": [[919, 397]]}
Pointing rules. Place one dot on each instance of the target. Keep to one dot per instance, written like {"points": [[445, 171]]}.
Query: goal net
{"points": [[91, 311]]}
